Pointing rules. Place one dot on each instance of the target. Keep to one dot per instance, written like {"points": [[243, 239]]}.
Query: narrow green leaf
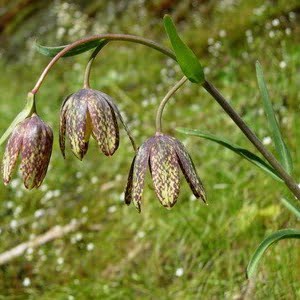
{"points": [[186, 58], [251, 157], [292, 207], [266, 243], [281, 148], [52, 51], [29, 107]]}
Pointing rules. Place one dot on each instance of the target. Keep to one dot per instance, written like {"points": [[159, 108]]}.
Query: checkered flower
{"points": [[33, 140], [89, 112], [165, 156]]}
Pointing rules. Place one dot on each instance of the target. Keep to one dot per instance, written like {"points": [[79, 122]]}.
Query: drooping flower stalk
{"points": [[289, 181], [164, 102]]}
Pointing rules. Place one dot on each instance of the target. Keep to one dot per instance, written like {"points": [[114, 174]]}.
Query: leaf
{"points": [[186, 58], [292, 207], [281, 148], [266, 243], [28, 109], [52, 51], [251, 157]]}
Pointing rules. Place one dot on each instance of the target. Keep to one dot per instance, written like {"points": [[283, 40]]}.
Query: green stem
{"points": [[289, 181], [88, 68], [108, 37], [164, 102]]}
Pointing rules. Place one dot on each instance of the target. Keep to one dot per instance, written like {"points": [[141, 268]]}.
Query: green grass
{"points": [[135, 256]]}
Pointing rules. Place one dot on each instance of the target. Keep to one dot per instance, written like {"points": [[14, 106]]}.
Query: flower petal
{"points": [[118, 114], [128, 190], [36, 152], [62, 125], [104, 123], [189, 170], [165, 171], [76, 123], [139, 171], [12, 151]]}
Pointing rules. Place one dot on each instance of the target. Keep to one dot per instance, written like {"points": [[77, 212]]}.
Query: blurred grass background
{"points": [[193, 251]]}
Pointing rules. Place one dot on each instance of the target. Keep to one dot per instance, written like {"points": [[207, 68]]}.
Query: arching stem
{"points": [[86, 82], [164, 101], [108, 37]]}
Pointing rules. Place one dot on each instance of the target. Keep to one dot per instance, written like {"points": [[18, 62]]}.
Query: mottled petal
{"points": [[189, 170], [62, 125], [105, 128], [11, 152], [165, 171], [36, 151], [139, 171], [118, 114], [128, 190], [77, 125]]}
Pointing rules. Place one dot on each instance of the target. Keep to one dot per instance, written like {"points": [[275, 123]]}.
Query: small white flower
{"points": [[288, 31], [39, 213], [271, 34], [13, 224], [140, 234], [90, 247], [179, 272], [94, 179], [275, 22], [282, 64], [84, 209], [26, 281], [112, 209], [267, 140], [222, 33], [60, 260]]}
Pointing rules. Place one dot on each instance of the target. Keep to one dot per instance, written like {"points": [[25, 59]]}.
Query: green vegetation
{"points": [[193, 251]]}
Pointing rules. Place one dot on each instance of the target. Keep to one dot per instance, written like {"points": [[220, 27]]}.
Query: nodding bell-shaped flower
{"points": [[33, 140], [89, 112], [165, 156]]}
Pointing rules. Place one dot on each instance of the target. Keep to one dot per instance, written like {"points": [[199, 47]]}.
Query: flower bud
{"points": [[33, 140]]}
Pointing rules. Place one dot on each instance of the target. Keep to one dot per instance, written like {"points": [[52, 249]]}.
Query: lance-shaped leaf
{"points": [[186, 58], [251, 157], [291, 207], [165, 171], [281, 148], [29, 107], [265, 244], [52, 51]]}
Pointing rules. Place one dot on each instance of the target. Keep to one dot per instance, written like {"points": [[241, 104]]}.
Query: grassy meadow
{"points": [[193, 251]]}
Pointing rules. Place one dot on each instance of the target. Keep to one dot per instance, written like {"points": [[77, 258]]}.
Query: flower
{"points": [[89, 112], [33, 139], [165, 155]]}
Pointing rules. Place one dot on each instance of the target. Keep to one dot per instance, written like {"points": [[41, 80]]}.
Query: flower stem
{"points": [[289, 181], [164, 101], [88, 68], [108, 37]]}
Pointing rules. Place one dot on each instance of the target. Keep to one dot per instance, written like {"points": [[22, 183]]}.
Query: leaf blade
{"points": [[186, 58], [265, 244], [291, 207], [251, 157], [52, 51], [281, 148]]}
